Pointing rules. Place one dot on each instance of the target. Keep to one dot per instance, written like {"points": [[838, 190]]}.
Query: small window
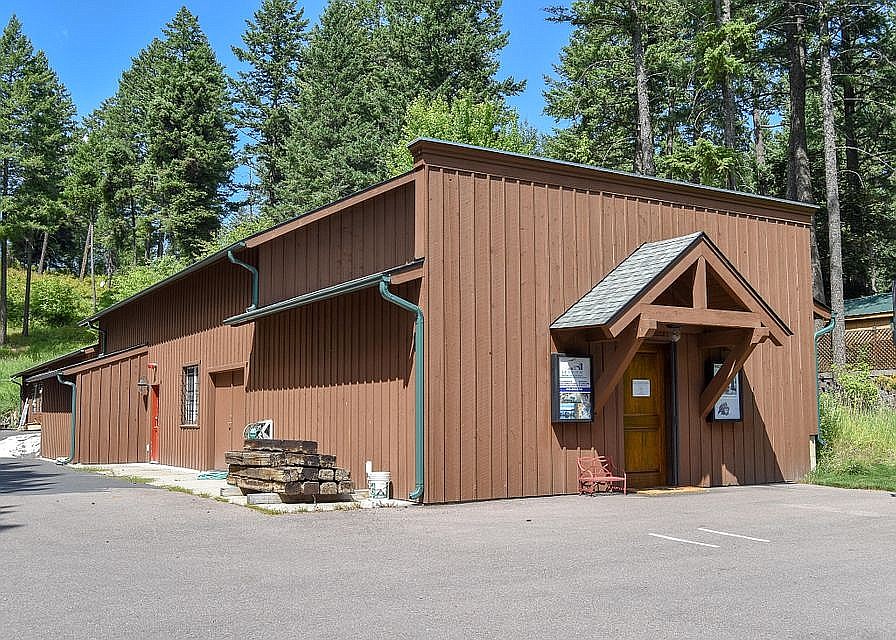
{"points": [[37, 398], [190, 396]]}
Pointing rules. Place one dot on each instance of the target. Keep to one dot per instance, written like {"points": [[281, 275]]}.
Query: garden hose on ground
{"points": [[212, 475]]}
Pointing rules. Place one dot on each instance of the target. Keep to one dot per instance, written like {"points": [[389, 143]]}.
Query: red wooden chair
{"points": [[595, 471]]}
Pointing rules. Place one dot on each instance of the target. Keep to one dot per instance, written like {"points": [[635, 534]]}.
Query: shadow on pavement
{"points": [[4, 512], [32, 476]]}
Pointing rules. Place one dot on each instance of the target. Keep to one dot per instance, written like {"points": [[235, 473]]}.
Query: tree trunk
{"points": [[92, 271], [644, 148], [831, 177], [759, 147], [84, 257], [4, 312], [43, 253], [857, 282], [133, 204], [26, 309], [799, 177], [729, 109]]}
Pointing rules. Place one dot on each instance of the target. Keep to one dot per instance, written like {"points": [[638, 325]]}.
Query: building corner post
{"points": [[74, 388], [419, 381]]}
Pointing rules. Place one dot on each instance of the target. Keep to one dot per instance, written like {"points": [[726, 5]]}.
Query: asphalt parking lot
{"points": [[86, 556]]}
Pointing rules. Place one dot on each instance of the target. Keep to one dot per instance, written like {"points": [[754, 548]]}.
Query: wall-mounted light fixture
{"points": [[674, 332], [142, 386]]}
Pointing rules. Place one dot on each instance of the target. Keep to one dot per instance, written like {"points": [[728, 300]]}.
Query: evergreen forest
{"points": [[789, 99]]}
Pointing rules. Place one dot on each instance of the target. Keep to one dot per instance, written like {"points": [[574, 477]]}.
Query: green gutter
{"points": [[419, 380], [254, 273], [377, 279], [818, 334], [71, 455], [306, 298]]}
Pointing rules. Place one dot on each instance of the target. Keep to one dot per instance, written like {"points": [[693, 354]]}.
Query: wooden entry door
{"points": [[229, 413], [644, 419]]}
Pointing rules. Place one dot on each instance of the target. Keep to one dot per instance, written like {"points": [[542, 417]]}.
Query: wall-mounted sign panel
{"points": [[730, 406], [571, 392], [640, 388]]}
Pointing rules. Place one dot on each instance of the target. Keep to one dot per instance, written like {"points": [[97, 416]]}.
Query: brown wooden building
{"points": [[510, 259]]}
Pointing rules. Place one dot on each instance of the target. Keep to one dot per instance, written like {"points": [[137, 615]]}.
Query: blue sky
{"points": [[90, 42]]}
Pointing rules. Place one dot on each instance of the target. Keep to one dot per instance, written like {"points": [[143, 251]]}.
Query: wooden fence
{"points": [[872, 346]]}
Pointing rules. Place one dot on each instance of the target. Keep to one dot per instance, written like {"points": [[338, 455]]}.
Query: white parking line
{"points": [[733, 535], [701, 544]]}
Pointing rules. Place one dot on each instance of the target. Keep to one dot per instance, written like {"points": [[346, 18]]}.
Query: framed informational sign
{"points": [[571, 391], [730, 406]]}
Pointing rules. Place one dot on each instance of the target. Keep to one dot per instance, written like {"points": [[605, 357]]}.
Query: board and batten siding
{"points": [[55, 419], [181, 325], [506, 256], [341, 372], [113, 423], [371, 236]]}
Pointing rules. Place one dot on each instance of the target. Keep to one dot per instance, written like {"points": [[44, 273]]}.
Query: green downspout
{"points": [[818, 334], [419, 381], [71, 455], [101, 334], [254, 273]]}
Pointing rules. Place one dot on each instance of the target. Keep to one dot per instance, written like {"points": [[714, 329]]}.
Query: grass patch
{"points": [[264, 510], [44, 343], [99, 470], [860, 445], [875, 476], [135, 479]]}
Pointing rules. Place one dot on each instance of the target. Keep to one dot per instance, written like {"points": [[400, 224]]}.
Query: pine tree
{"points": [[267, 95], [189, 136], [47, 145], [622, 60], [35, 120], [445, 48], [338, 144]]}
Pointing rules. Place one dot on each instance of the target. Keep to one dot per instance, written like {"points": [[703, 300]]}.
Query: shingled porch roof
{"points": [[678, 282]]}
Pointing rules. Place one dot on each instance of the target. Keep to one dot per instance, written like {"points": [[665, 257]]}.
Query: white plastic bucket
{"points": [[378, 483]]}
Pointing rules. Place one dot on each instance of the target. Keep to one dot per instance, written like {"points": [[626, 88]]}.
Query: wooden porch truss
{"points": [[745, 324]]}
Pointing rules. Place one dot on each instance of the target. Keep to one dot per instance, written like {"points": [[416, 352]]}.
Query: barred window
{"points": [[190, 395], [37, 398]]}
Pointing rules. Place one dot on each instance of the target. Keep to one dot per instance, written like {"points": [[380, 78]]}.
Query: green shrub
{"points": [[855, 386], [59, 300], [126, 283]]}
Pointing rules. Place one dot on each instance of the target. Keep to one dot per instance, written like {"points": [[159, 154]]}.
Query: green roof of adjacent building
{"points": [[869, 305]]}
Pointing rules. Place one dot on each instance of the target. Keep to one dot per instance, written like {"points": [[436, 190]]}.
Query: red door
{"points": [[154, 425]]}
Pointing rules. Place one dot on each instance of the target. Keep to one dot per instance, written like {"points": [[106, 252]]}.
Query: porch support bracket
{"points": [[735, 361], [628, 343]]}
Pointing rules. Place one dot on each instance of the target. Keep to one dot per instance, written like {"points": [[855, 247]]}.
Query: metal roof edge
{"points": [[348, 286], [809, 209], [106, 357], [52, 361], [400, 179], [196, 266]]}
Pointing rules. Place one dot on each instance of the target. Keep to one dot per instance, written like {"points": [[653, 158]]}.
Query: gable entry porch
{"points": [[670, 329]]}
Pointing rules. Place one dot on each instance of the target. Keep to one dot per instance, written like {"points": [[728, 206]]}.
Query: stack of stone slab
{"points": [[291, 468]]}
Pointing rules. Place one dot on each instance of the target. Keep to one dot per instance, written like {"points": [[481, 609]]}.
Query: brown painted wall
{"points": [[181, 324], [505, 257], [341, 372], [113, 424], [55, 420], [372, 236]]}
